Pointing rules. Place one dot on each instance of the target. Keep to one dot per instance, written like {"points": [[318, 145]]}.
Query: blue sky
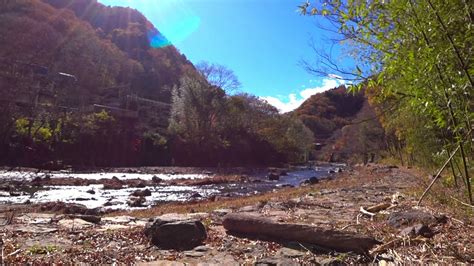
{"points": [[262, 41]]}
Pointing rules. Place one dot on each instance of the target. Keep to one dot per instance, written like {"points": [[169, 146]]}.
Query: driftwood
{"points": [[259, 227]]}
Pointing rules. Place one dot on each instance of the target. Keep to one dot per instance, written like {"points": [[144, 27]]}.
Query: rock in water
{"points": [[141, 193], [136, 201], [172, 233], [273, 177]]}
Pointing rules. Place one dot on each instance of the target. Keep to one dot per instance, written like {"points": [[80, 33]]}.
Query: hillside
{"points": [[87, 85], [80, 57], [345, 125]]}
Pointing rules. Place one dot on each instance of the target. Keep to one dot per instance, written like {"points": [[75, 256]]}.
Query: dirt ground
{"points": [[29, 236]]}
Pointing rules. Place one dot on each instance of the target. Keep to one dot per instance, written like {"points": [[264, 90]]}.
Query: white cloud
{"points": [[294, 100]]}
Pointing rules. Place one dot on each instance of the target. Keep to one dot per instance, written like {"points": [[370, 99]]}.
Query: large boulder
{"points": [[174, 233]]}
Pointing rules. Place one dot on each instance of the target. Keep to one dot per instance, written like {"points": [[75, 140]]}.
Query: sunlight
{"points": [[175, 19]]}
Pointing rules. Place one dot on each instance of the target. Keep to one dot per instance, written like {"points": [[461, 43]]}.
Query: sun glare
{"points": [[175, 19]]}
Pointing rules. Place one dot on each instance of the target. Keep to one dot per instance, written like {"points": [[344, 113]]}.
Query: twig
{"points": [[395, 243], [438, 175], [14, 253], [456, 220], [349, 225], [463, 203], [362, 210], [301, 245], [442, 168]]}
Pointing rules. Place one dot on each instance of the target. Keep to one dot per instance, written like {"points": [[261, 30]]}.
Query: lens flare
{"points": [[177, 26], [157, 40]]}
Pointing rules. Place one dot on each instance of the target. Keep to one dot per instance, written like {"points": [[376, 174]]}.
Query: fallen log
{"points": [[259, 227]]}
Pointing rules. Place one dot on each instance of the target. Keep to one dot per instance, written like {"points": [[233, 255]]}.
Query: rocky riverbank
{"points": [[373, 202]]}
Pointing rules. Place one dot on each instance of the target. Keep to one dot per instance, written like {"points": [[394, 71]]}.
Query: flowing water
{"points": [[94, 196]]}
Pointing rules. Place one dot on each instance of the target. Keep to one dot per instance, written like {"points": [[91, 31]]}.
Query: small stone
{"points": [[89, 218], [194, 254], [113, 185], [91, 191], [330, 262], [221, 212], [141, 193], [136, 202], [156, 179], [248, 209], [417, 230], [290, 253], [74, 224], [196, 195], [202, 248]]}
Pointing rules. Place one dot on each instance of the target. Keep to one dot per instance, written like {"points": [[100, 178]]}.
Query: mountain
{"points": [[344, 124], [62, 59]]}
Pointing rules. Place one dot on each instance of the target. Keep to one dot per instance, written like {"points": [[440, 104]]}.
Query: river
{"points": [[94, 196]]}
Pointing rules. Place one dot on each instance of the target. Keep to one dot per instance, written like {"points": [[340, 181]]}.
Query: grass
{"points": [[441, 195], [39, 250]]}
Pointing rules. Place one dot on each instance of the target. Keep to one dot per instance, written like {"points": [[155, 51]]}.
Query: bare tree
{"points": [[219, 75]]}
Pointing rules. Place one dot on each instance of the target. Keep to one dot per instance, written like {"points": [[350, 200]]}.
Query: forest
{"points": [[89, 86]]}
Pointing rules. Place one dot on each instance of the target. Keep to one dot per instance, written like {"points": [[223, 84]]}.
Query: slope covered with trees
{"points": [[345, 125], [91, 85]]}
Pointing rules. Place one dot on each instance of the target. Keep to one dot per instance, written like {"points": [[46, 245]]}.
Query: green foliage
{"points": [[420, 65], [237, 130], [39, 250]]}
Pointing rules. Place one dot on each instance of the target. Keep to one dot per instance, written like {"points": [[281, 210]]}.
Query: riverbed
{"points": [[95, 196]]}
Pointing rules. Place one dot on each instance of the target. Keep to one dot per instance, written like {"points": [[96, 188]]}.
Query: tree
{"points": [[219, 75], [418, 55]]}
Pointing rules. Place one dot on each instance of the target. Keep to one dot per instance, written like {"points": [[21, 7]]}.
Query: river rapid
{"points": [[95, 196]]}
